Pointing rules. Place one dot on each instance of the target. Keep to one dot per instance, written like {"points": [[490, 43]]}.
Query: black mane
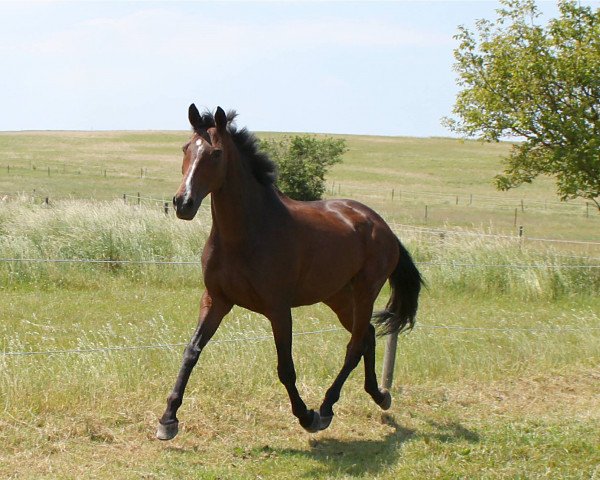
{"points": [[263, 168]]}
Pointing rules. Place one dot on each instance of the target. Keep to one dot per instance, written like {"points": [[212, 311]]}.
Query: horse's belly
{"points": [[324, 278]]}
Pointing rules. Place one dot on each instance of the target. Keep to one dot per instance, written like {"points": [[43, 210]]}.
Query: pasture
{"points": [[498, 380]]}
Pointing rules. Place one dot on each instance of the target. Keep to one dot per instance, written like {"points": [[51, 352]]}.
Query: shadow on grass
{"points": [[369, 457]]}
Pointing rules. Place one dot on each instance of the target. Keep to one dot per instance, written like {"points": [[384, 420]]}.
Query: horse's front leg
{"points": [[281, 322], [212, 311]]}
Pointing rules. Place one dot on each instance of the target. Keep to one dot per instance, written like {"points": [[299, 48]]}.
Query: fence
{"points": [[168, 346], [463, 199], [49, 169], [195, 262], [391, 340], [441, 233]]}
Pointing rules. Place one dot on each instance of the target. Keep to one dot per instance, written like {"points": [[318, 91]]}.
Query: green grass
{"points": [[498, 380], [511, 402]]}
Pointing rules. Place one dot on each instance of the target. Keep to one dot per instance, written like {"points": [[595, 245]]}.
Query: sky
{"points": [[376, 68]]}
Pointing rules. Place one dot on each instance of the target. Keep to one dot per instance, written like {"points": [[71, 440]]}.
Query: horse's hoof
{"points": [[325, 422], [168, 431], [315, 423], [386, 403]]}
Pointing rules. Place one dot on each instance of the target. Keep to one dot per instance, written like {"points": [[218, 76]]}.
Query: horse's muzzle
{"points": [[185, 207]]}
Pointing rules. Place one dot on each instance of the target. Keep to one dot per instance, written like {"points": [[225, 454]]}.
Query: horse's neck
{"points": [[239, 208]]}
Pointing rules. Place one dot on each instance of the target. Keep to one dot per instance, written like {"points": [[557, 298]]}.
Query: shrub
{"points": [[303, 161]]}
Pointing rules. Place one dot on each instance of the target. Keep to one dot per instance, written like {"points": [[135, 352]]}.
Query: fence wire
{"points": [[461, 233], [197, 262], [460, 328]]}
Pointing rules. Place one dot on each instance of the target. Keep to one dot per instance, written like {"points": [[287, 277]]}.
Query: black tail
{"points": [[401, 309]]}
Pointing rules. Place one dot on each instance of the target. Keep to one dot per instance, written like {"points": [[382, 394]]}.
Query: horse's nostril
{"points": [[175, 201]]}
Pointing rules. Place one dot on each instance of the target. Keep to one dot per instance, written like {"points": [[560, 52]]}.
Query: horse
{"points": [[268, 253]]}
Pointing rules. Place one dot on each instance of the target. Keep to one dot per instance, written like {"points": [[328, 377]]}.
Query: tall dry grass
{"points": [[114, 231]]}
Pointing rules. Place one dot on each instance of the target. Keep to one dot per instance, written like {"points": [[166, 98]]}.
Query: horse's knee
{"points": [[191, 355], [286, 374]]}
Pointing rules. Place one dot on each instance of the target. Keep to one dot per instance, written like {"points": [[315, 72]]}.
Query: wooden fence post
{"points": [[521, 236], [389, 358], [138, 196], [166, 205], [426, 212], [515, 224], [125, 198]]}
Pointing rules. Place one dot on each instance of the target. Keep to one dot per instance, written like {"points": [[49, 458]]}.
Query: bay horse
{"points": [[268, 253]]}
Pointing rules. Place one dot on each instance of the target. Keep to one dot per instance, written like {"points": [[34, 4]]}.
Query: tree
{"points": [[303, 161], [540, 85]]}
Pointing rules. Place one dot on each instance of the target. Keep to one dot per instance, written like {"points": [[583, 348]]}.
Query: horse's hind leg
{"points": [[355, 317], [381, 396], [212, 311]]}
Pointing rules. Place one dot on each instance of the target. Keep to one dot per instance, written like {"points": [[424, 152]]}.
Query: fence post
{"points": [[457, 199], [515, 224], [426, 212], [521, 236], [47, 201], [471, 199], [587, 210], [389, 358], [166, 205], [8, 169], [125, 198], [392, 194], [138, 196], [522, 206]]}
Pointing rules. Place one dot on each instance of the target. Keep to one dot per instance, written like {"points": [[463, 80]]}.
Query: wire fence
{"points": [[441, 232], [169, 346], [424, 230], [196, 263], [462, 199]]}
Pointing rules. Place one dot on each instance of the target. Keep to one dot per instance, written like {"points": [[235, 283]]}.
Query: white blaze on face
{"points": [[190, 175]]}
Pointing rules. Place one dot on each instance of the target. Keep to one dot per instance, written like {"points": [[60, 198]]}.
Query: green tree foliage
{"points": [[538, 84], [303, 161]]}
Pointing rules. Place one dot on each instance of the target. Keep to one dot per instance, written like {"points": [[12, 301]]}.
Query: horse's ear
{"points": [[220, 119], [194, 117]]}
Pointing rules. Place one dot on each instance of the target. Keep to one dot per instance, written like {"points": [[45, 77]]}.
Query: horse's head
{"points": [[204, 162]]}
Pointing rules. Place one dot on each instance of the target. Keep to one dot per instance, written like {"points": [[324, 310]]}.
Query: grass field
{"points": [[499, 380]]}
